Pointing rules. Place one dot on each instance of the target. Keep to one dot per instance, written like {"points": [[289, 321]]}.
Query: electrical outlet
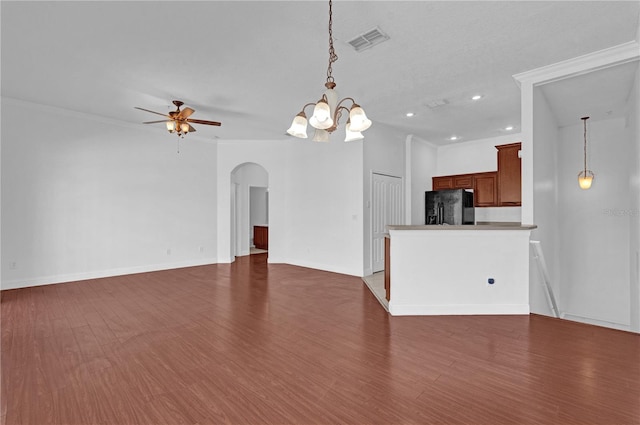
{"points": [[201, 249], [13, 265], [168, 251]]}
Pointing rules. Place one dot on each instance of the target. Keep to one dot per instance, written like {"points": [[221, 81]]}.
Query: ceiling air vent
{"points": [[436, 103], [368, 39]]}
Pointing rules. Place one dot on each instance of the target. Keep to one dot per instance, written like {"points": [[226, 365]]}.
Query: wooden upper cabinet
{"points": [[509, 175], [502, 188], [485, 192], [463, 181], [440, 183], [460, 181]]}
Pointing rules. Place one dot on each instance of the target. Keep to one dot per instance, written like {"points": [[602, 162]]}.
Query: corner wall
{"points": [[633, 128], [545, 210]]}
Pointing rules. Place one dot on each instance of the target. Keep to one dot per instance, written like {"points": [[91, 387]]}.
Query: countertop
{"points": [[488, 226]]}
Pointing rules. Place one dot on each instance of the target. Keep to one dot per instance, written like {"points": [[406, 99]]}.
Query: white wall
{"points": [[85, 197], [423, 163], [593, 225], [384, 153], [315, 200], [245, 176], [477, 156], [545, 212], [324, 205]]}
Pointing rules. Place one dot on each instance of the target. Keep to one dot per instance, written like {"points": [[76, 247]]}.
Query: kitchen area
{"points": [[457, 261]]}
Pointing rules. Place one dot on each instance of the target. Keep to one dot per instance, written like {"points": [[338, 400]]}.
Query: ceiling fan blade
{"points": [[153, 112], [204, 122], [154, 122], [191, 129], [186, 112]]}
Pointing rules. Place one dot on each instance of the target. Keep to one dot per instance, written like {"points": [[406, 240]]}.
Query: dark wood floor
{"points": [[251, 343]]}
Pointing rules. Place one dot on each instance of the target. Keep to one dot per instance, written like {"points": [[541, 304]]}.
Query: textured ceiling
{"points": [[253, 64]]}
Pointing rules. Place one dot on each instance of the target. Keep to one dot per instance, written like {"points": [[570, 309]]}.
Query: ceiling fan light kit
{"points": [[328, 110]]}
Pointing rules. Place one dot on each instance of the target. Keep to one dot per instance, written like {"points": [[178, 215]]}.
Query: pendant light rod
{"points": [[585, 177], [584, 119]]}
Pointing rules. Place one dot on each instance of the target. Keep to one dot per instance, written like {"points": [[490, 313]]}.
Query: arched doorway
{"points": [[249, 206]]}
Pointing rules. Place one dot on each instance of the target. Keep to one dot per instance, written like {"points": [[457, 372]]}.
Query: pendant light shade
{"points": [[299, 126], [171, 126], [320, 135], [352, 136], [585, 177], [321, 116], [359, 120]]}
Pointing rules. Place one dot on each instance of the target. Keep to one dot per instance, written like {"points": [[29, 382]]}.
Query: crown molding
{"points": [[616, 55]]}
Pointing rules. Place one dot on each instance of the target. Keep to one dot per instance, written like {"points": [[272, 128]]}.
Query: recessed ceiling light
{"points": [[509, 128], [476, 97], [453, 138], [410, 114]]}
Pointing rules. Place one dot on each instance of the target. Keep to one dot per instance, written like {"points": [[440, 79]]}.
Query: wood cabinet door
{"points": [[463, 181], [261, 237], [509, 175], [445, 182], [485, 190]]}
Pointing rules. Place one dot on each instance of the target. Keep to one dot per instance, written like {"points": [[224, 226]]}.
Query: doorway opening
{"points": [[249, 210]]}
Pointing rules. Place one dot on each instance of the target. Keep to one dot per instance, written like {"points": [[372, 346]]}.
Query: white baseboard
{"points": [[72, 277], [456, 309], [596, 322], [319, 266]]}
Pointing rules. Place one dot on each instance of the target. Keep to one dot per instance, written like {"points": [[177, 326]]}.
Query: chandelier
{"points": [[585, 177], [328, 110]]}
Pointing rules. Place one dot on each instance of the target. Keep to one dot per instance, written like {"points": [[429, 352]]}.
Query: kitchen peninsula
{"points": [[456, 270]]}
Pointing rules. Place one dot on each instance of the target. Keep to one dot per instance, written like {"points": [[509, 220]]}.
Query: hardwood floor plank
{"points": [[258, 343]]}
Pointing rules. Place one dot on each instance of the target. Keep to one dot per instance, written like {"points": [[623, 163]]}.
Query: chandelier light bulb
{"points": [[171, 126]]}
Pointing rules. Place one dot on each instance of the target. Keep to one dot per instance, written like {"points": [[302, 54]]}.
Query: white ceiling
{"points": [[254, 64]]}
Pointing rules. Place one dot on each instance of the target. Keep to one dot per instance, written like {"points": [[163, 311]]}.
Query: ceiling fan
{"points": [[178, 120]]}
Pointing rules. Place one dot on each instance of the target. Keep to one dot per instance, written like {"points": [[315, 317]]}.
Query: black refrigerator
{"points": [[452, 206]]}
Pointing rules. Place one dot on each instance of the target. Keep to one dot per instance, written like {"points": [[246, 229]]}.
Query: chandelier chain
{"points": [[332, 52]]}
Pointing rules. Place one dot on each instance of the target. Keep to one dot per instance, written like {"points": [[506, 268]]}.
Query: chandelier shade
{"points": [[299, 126], [321, 118], [359, 120], [328, 110], [350, 135]]}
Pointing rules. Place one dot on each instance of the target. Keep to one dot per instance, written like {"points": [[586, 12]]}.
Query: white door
{"points": [[387, 208]]}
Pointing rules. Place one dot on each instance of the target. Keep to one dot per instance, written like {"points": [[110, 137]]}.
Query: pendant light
{"points": [[585, 177], [328, 110]]}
